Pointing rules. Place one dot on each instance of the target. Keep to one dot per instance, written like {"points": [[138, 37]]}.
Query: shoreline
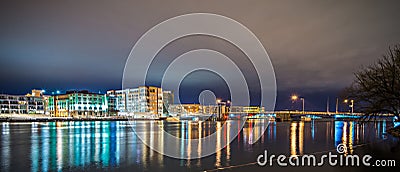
{"points": [[46, 118], [395, 132], [51, 119]]}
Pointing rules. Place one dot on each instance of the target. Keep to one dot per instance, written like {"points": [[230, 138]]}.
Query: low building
{"points": [[33, 103], [78, 104], [176, 109], [209, 109], [253, 109]]}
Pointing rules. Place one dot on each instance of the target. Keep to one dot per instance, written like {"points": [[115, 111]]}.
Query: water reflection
{"points": [[296, 138], [344, 134], [5, 148], [56, 146], [74, 143]]}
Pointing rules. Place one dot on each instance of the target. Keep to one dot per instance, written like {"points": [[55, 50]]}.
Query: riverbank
{"points": [[54, 119], [47, 118], [394, 131]]}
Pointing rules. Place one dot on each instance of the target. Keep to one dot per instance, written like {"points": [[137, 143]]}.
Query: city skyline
{"points": [[68, 47]]}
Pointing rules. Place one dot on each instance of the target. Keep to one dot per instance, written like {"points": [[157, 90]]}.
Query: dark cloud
{"points": [[315, 46]]}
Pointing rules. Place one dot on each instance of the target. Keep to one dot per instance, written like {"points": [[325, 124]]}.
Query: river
{"points": [[112, 145]]}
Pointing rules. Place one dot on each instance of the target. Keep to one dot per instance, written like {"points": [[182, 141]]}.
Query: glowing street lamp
{"points": [[351, 104], [295, 97]]}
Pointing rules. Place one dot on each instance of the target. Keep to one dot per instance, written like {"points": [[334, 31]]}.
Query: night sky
{"points": [[315, 46]]}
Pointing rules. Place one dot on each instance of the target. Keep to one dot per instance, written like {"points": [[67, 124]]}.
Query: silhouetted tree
{"points": [[376, 88]]}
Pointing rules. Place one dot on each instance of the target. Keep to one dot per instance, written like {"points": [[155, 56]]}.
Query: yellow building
{"points": [[185, 109]]}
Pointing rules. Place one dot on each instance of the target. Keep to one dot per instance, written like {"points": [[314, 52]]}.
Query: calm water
{"points": [[98, 146]]}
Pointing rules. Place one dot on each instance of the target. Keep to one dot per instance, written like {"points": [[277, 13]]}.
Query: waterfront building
{"points": [[78, 104], [168, 99], [33, 103], [247, 109], [179, 109], [236, 109], [209, 109], [112, 100], [253, 109], [141, 102], [152, 98], [121, 100]]}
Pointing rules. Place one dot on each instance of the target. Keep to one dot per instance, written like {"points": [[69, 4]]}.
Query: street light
{"points": [[351, 104], [295, 97]]}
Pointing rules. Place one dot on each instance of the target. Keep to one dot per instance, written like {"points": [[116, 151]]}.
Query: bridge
{"points": [[299, 113], [290, 114], [314, 113]]}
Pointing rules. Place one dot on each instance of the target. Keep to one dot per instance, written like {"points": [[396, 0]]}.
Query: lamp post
{"points": [[218, 101], [295, 97], [351, 105], [337, 105]]}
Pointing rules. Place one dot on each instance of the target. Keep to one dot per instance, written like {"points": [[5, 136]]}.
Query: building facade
{"points": [[33, 103], [112, 100], [168, 98], [78, 104], [179, 109], [144, 101]]}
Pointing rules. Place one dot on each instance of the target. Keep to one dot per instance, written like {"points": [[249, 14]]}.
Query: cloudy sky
{"points": [[315, 46]]}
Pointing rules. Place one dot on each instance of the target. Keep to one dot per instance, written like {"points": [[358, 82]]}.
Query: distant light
{"points": [[43, 91], [294, 97], [58, 92]]}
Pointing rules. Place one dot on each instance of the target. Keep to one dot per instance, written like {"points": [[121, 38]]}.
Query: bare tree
{"points": [[376, 88]]}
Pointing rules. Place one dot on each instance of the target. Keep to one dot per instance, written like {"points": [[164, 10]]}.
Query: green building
{"points": [[78, 104]]}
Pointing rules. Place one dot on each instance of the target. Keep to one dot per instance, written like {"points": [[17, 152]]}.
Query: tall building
{"points": [[143, 102], [168, 99], [78, 104], [112, 101], [152, 99], [121, 100], [33, 103]]}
